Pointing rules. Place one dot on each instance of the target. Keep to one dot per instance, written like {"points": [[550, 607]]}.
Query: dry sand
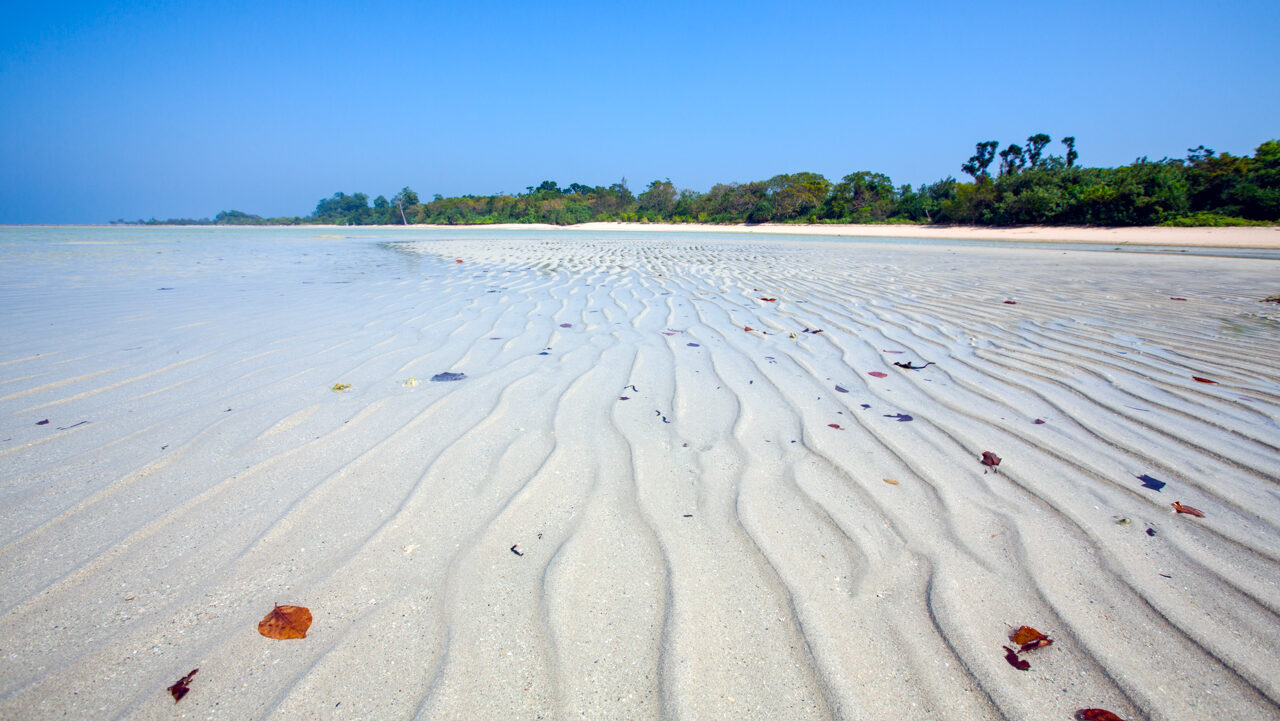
{"points": [[697, 537]]}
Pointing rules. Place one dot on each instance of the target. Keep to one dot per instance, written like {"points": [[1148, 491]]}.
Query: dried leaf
{"points": [[1012, 657], [1172, 298], [459, 260], [1203, 380], [769, 300], [1096, 714], [747, 328], [878, 374], [890, 481], [1011, 302], [341, 387], [286, 622], [1029, 639], [44, 422], [180, 689], [1187, 510], [990, 459], [1025, 634]]}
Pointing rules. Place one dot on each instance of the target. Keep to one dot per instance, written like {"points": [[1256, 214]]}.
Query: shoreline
{"points": [[1250, 237]]}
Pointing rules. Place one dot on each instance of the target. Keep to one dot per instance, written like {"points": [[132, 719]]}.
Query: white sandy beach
{"points": [[719, 512]]}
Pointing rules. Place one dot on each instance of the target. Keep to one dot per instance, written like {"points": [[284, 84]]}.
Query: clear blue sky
{"points": [[181, 109]]}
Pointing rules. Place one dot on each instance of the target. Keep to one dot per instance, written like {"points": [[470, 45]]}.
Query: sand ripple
{"points": [[695, 539]]}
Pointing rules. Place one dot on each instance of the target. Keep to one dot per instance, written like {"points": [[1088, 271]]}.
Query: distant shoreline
{"points": [[1257, 237]]}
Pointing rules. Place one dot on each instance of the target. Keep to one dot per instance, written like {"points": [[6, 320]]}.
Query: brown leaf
{"points": [[1025, 634], [890, 481], [1096, 714], [747, 328], [181, 688], [286, 622], [1012, 657], [1187, 510], [990, 459]]}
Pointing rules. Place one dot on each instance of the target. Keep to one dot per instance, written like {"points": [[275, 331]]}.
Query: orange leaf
{"points": [[1026, 634], [1187, 510], [181, 688], [286, 622], [1096, 714], [747, 328]]}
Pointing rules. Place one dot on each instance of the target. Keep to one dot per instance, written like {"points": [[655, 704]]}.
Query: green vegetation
{"points": [[1031, 187]]}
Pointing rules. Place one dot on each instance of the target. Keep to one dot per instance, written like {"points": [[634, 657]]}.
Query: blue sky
{"points": [[182, 109]]}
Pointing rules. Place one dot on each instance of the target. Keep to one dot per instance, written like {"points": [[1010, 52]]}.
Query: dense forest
{"points": [[1028, 186]]}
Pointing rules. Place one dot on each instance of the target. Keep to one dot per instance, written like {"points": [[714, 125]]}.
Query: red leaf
{"points": [[878, 374], [1012, 657], [181, 688], [990, 459], [769, 300], [1203, 380], [747, 328], [835, 426], [459, 260], [1187, 510], [1096, 714], [1038, 422], [1172, 298], [1011, 302], [286, 622]]}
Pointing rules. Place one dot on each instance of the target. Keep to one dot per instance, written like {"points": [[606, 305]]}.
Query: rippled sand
{"points": [[696, 540]]}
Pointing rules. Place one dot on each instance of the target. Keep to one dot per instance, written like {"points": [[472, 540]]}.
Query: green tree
{"points": [[1035, 147], [860, 197], [1070, 142], [1012, 160], [659, 198], [405, 198], [792, 196], [977, 165]]}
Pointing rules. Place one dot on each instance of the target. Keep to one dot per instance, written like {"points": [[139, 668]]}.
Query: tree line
{"points": [[1030, 186]]}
